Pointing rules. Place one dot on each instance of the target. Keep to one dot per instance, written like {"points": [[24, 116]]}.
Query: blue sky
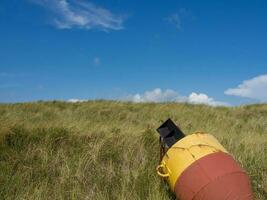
{"points": [[211, 52]]}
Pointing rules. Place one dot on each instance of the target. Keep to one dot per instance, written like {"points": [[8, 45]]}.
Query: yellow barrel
{"points": [[185, 152], [197, 167]]}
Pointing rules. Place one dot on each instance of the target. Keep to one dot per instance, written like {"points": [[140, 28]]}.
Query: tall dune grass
{"points": [[109, 150]]}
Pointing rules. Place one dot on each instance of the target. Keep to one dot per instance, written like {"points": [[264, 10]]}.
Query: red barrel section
{"points": [[216, 176]]}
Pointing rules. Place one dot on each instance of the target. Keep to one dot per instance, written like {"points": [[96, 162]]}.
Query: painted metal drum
{"points": [[197, 167]]}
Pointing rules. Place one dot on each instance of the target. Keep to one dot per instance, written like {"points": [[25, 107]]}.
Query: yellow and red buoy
{"points": [[197, 167]]}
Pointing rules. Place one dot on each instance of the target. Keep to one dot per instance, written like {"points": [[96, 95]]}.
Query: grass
{"points": [[109, 150]]}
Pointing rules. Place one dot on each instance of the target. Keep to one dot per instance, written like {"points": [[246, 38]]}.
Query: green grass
{"points": [[109, 150]]}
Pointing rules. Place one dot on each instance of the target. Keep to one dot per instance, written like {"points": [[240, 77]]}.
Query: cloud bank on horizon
{"points": [[158, 95], [80, 14], [76, 100], [255, 88]]}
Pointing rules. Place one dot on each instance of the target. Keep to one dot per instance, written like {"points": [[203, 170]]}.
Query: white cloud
{"points": [[81, 14], [204, 99], [156, 95], [76, 100], [178, 18], [255, 88], [175, 19], [159, 95]]}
